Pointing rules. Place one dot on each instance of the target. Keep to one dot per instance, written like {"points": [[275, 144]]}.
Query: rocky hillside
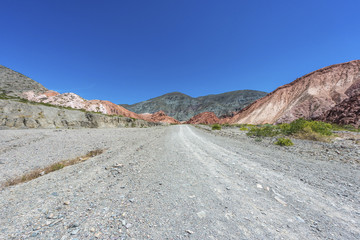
{"points": [[345, 113], [183, 107], [73, 100], [204, 118], [158, 117], [309, 96], [19, 114], [14, 84]]}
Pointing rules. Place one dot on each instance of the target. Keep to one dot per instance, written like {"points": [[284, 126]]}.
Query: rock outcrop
{"points": [[309, 96], [159, 117], [345, 113], [182, 107], [73, 100], [16, 114], [204, 118], [14, 84]]}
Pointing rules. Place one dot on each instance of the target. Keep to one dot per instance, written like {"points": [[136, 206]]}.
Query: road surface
{"points": [[175, 182]]}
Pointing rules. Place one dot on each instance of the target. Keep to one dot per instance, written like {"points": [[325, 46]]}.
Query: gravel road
{"points": [[175, 182]]}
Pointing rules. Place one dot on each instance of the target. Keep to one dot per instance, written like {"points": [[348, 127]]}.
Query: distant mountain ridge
{"points": [[182, 107]]}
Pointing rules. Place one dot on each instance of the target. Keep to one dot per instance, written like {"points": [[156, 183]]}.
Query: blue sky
{"points": [[128, 51]]}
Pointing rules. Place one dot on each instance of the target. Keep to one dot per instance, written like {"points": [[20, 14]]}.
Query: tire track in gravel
{"points": [[319, 210], [201, 184]]}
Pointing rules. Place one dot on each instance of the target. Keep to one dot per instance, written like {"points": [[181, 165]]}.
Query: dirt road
{"points": [[176, 182]]}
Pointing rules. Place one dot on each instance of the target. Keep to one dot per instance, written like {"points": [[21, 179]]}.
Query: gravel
{"points": [[176, 182]]}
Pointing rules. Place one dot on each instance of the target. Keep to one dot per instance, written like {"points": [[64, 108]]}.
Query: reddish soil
{"points": [[204, 118]]}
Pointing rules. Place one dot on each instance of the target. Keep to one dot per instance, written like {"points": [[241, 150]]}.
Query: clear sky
{"points": [[128, 51]]}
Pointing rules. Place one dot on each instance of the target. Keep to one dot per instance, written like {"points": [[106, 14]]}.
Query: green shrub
{"points": [[284, 128], [263, 131], [296, 126], [300, 128], [320, 127], [216, 127], [243, 129], [284, 142], [308, 133], [301, 124]]}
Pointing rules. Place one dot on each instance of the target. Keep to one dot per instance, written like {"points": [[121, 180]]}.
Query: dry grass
{"points": [[52, 168], [308, 134]]}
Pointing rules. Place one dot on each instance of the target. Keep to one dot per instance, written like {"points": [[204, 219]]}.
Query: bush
{"points": [[244, 129], [264, 131], [285, 128], [216, 127], [301, 124], [300, 128], [284, 142], [308, 133], [320, 127]]}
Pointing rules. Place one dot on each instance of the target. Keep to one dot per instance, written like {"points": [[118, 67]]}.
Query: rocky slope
{"points": [[159, 117], [17, 114], [14, 84], [183, 107], [345, 113], [75, 101], [204, 118], [309, 96]]}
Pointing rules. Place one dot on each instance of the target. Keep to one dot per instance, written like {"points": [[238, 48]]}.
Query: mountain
{"points": [[309, 96], [14, 84], [182, 107], [17, 85]]}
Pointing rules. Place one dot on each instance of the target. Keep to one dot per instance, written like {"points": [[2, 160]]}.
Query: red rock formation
{"points": [[110, 108], [159, 116], [204, 118], [345, 113], [75, 101], [309, 96], [51, 93]]}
